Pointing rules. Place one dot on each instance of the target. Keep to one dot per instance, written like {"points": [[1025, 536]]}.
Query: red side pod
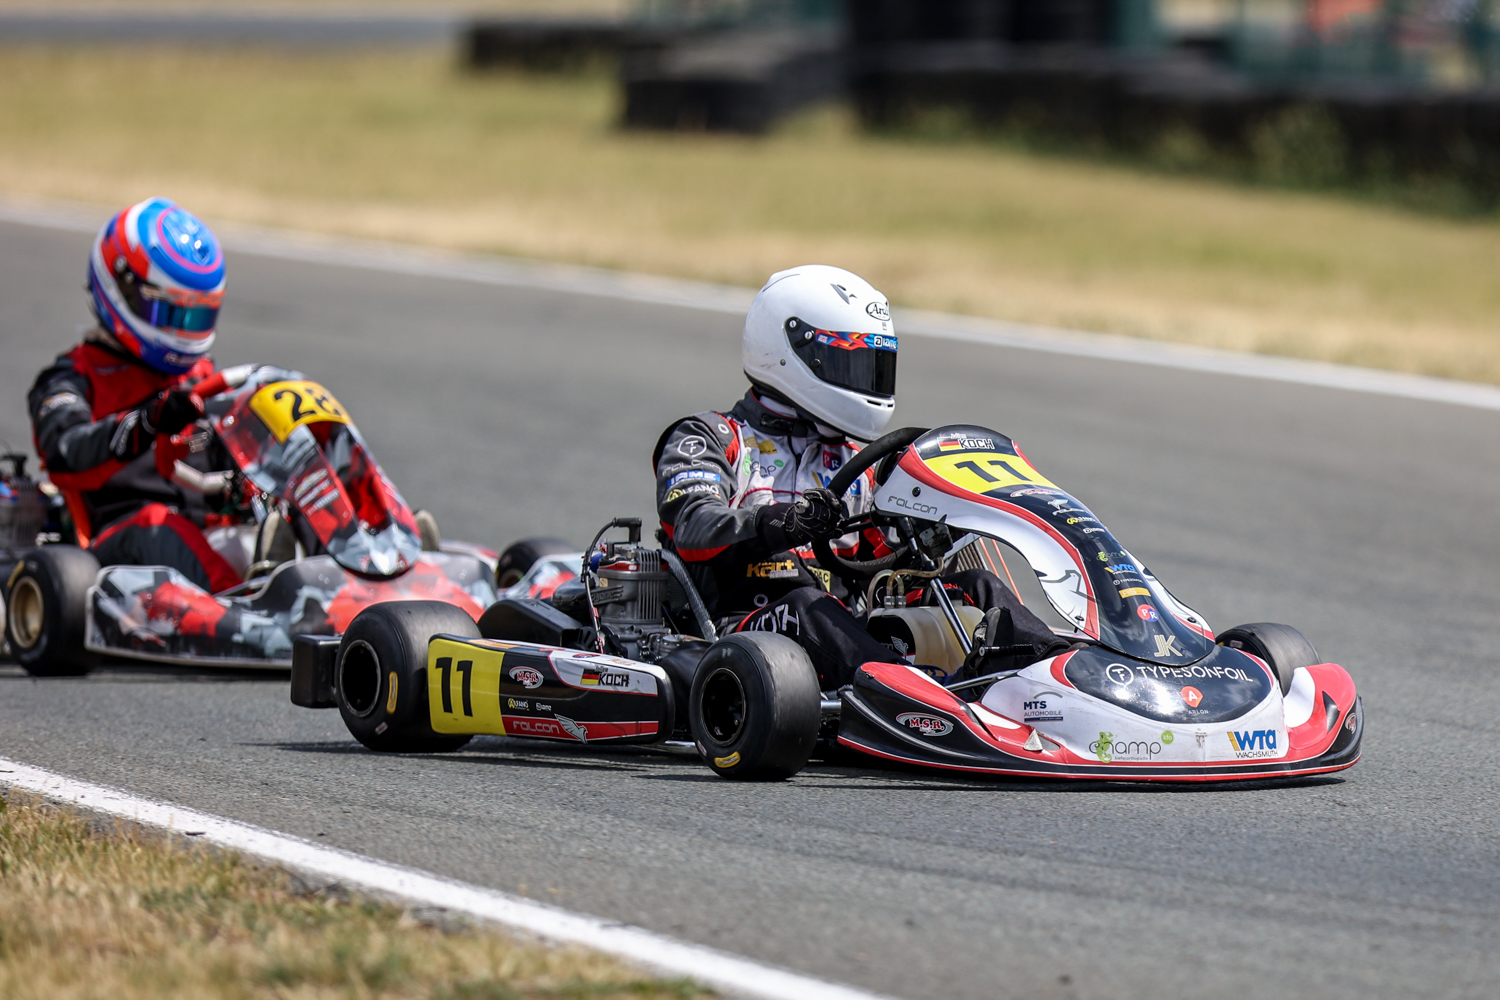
{"points": [[927, 692], [1316, 735]]}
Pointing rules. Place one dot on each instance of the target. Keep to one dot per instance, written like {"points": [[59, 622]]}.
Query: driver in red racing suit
{"points": [[155, 283], [742, 494]]}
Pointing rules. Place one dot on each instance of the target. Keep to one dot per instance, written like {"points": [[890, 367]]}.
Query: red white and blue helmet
{"points": [[156, 281]]}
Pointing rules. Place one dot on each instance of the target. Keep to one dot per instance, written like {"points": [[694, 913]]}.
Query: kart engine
{"points": [[638, 594]]}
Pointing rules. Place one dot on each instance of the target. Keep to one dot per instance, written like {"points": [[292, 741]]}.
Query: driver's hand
{"points": [[816, 515], [170, 411]]}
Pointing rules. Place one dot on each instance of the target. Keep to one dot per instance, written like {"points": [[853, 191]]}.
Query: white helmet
{"points": [[822, 338]]}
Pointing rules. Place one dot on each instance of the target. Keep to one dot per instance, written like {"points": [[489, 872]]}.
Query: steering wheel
{"points": [[884, 451]]}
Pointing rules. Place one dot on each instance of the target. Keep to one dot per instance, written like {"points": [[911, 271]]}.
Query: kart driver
{"points": [[741, 494], [155, 283]]}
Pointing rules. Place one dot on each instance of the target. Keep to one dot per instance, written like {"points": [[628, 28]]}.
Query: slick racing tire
{"points": [[755, 707], [521, 556], [380, 675], [1282, 647], [47, 603]]}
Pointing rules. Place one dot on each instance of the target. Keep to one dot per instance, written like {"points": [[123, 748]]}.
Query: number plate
{"points": [[983, 471], [285, 406], [463, 688]]}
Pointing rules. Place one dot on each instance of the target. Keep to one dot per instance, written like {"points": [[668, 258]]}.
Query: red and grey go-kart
{"points": [[298, 508], [627, 653]]}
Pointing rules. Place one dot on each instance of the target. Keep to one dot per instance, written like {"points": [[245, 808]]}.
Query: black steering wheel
{"points": [[885, 451]]}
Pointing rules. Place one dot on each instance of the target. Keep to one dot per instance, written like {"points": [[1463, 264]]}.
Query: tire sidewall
{"points": [[399, 720], [742, 754], [782, 712], [62, 576]]}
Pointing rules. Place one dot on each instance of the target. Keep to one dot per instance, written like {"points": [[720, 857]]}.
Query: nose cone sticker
{"points": [[1192, 697], [1147, 613]]}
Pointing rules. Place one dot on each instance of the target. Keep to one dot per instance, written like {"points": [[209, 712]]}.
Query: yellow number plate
{"points": [[984, 471], [463, 688], [285, 406]]}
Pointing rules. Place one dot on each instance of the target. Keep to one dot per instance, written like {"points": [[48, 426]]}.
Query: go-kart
{"points": [[626, 652], [298, 509]]}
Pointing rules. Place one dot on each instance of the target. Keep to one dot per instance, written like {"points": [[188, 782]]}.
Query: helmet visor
{"points": [[862, 362], [148, 303], [169, 316]]}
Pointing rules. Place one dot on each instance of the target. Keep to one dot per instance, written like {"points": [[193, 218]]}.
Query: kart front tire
{"points": [[521, 556], [755, 707], [1282, 647], [380, 675], [47, 611]]}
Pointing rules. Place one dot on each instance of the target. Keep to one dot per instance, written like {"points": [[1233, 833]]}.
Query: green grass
{"points": [[123, 915], [404, 146]]}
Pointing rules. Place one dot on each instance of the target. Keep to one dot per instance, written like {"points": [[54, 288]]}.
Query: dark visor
{"points": [[863, 362], [165, 315]]}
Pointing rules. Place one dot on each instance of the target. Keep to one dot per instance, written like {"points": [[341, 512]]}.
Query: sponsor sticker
{"points": [[1167, 736], [1039, 493], [915, 506], [1110, 750], [1042, 708], [1253, 743], [692, 474], [691, 446], [878, 310], [927, 725], [1192, 697], [729, 761], [595, 677], [1146, 612], [526, 677], [1135, 592]]}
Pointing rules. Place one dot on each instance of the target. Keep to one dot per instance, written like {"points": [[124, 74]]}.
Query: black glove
{"points": [[815, 515], [169, 411]]}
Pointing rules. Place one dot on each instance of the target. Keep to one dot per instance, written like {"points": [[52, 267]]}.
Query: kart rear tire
{"points": [[1282, 647], [521, 556], [755, 707], [47, 609], [380, 675]]}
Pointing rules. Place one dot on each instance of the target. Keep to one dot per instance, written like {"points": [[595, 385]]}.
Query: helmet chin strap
{"points": [[783, 407]]}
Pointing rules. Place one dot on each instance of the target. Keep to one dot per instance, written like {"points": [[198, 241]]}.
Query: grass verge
{"points": [[404, 146], [89, 912]]}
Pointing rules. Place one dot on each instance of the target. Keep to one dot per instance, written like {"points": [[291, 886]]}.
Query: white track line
{"points": [[662, 954], [396, 258]]}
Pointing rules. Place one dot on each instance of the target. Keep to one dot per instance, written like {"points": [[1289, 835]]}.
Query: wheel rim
{"points": [[723, 707], [27, 613], [359, 678]]}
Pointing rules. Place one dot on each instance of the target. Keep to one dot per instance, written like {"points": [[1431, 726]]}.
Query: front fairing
{"points": [[294, 442], [981, 483]]}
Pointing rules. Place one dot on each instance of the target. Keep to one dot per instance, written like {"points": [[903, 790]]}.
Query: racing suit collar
{"points": [[753, 411]]}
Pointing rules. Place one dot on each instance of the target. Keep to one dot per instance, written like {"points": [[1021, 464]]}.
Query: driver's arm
{"points": [[68, 438], [695, 483]]}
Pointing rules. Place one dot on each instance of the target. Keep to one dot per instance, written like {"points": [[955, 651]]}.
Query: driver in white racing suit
{"points": [[742, 494]]}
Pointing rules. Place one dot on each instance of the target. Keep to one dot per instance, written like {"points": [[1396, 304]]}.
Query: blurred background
{"points": [[1318, 178]]}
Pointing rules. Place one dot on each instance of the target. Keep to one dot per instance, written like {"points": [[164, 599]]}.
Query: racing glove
{"points": [[815, 515], [168, 412]]}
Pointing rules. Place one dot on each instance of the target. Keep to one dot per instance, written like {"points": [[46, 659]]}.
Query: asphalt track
{"points": [[1364, 520]]}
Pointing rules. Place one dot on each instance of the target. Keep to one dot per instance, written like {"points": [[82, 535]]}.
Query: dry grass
{"points": [[127, 916], [402, 145], [591, 7]]}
